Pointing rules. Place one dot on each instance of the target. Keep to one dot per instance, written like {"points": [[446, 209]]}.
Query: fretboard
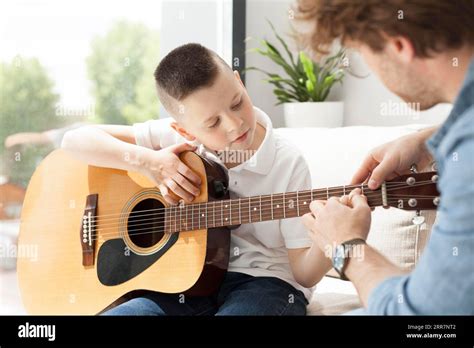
{"points": [[237, 211]]}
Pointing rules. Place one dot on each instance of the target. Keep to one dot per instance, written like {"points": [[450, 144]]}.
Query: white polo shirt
{"points": [[258, 249]]}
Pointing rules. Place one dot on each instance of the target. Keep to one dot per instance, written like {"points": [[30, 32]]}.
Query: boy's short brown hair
{"points": [[431, 25], [184, 70]]}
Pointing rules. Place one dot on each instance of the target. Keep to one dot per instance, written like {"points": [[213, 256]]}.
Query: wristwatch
{"points": [[341, 255]]}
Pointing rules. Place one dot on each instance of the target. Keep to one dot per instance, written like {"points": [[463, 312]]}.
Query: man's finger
{"points": [[308, 220], [344, 199], [315, 206], [364, 170], [359, 201], [381, 173]]}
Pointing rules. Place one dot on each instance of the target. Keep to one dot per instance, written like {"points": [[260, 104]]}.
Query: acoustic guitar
{"points": [[98, 236]]}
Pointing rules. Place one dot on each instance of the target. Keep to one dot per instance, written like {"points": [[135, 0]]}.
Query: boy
{"points": [[273, 264]]}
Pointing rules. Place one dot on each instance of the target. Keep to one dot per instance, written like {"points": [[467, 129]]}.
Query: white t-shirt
{"points": [[258, 249]]}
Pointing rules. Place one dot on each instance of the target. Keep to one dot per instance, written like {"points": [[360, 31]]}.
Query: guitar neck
{"points": [[232, 212]]}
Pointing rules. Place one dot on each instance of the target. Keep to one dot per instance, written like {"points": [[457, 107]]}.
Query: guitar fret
{"points": [[222, 213], [284, 206], [213, 214], [206, 216], [250, 212], [240, 211], [260, 208], [312, 195], [327, 193], [297, 204], [271, 204], [180, 217]]}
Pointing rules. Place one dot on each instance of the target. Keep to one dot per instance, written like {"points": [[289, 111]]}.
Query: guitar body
{"points": [[58, 276]]}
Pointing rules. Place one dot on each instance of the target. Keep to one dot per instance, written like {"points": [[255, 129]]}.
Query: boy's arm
{"points": [[309, 265], [114, 147], [107, 146]]}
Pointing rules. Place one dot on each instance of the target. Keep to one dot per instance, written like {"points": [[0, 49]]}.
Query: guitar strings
{"points": [[265, 198], [153, 229], [237, 204], [211, 211], [265, 201], [235, 216]]}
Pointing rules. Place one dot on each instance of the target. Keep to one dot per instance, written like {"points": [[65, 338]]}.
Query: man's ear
{"points": [[402, 48], [181, 131], [237, 76]]}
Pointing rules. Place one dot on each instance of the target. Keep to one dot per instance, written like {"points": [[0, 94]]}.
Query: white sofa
{"points": [[333, 155]]}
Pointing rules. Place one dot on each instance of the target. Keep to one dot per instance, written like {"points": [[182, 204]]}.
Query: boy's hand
{"points": [[169, 174]]}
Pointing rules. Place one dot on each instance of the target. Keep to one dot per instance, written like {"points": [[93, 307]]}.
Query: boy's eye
{"points": [[238, 105], [215, 123]]}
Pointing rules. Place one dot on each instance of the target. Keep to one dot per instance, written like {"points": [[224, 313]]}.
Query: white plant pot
{"points": [[314, 114]]}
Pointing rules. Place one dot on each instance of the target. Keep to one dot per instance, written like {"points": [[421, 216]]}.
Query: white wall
{"points": [[364, 98]]}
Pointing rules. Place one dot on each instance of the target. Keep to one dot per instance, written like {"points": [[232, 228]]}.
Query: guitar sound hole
{"points": [[146, 223]]}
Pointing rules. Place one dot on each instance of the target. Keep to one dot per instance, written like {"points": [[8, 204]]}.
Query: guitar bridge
{"points": [[87, 230]]}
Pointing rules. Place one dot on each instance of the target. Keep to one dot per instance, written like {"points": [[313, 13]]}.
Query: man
{"points": [[423, 51]]}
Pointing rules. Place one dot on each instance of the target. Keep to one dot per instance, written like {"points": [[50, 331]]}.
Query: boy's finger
{"points": [[165, 193], [177, 149], [188, 173], [186, 184], [178, 190]]}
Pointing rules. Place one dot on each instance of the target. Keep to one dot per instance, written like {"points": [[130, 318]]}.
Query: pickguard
{"points": [[116, 263]]}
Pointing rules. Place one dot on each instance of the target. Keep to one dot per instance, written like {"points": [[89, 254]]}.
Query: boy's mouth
{"points": [[242, 137]]}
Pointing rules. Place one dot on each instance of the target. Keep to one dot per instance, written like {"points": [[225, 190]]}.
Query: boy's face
{"points": [[221, 116]]}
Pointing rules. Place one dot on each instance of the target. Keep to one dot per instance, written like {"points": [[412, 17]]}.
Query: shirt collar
{"points": [[262, 160], [464, 100]]}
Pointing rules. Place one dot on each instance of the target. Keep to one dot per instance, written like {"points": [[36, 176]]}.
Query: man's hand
{"points": [[338, 220], [169, 174], [394, 158]]}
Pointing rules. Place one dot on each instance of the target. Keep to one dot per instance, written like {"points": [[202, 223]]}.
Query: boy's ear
{"points": [[237, 75], [181, 131]]}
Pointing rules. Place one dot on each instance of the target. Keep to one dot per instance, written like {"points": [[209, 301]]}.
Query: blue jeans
{"points": [[240, 294]]}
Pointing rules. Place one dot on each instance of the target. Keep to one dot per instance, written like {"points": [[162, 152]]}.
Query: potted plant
{"points": [[305, 88]]}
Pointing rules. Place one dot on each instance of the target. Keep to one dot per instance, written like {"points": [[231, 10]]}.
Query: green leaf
{"points": [[283, 43], [308, 67], [309, 86]]}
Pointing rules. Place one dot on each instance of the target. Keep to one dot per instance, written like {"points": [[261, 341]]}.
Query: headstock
{"points": [[412, 191]]}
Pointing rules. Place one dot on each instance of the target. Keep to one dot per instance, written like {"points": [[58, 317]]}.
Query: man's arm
{"points": [[369, 271]]}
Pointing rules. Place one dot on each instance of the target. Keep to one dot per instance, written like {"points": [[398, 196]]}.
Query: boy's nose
{"points": [[235, 123]]}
